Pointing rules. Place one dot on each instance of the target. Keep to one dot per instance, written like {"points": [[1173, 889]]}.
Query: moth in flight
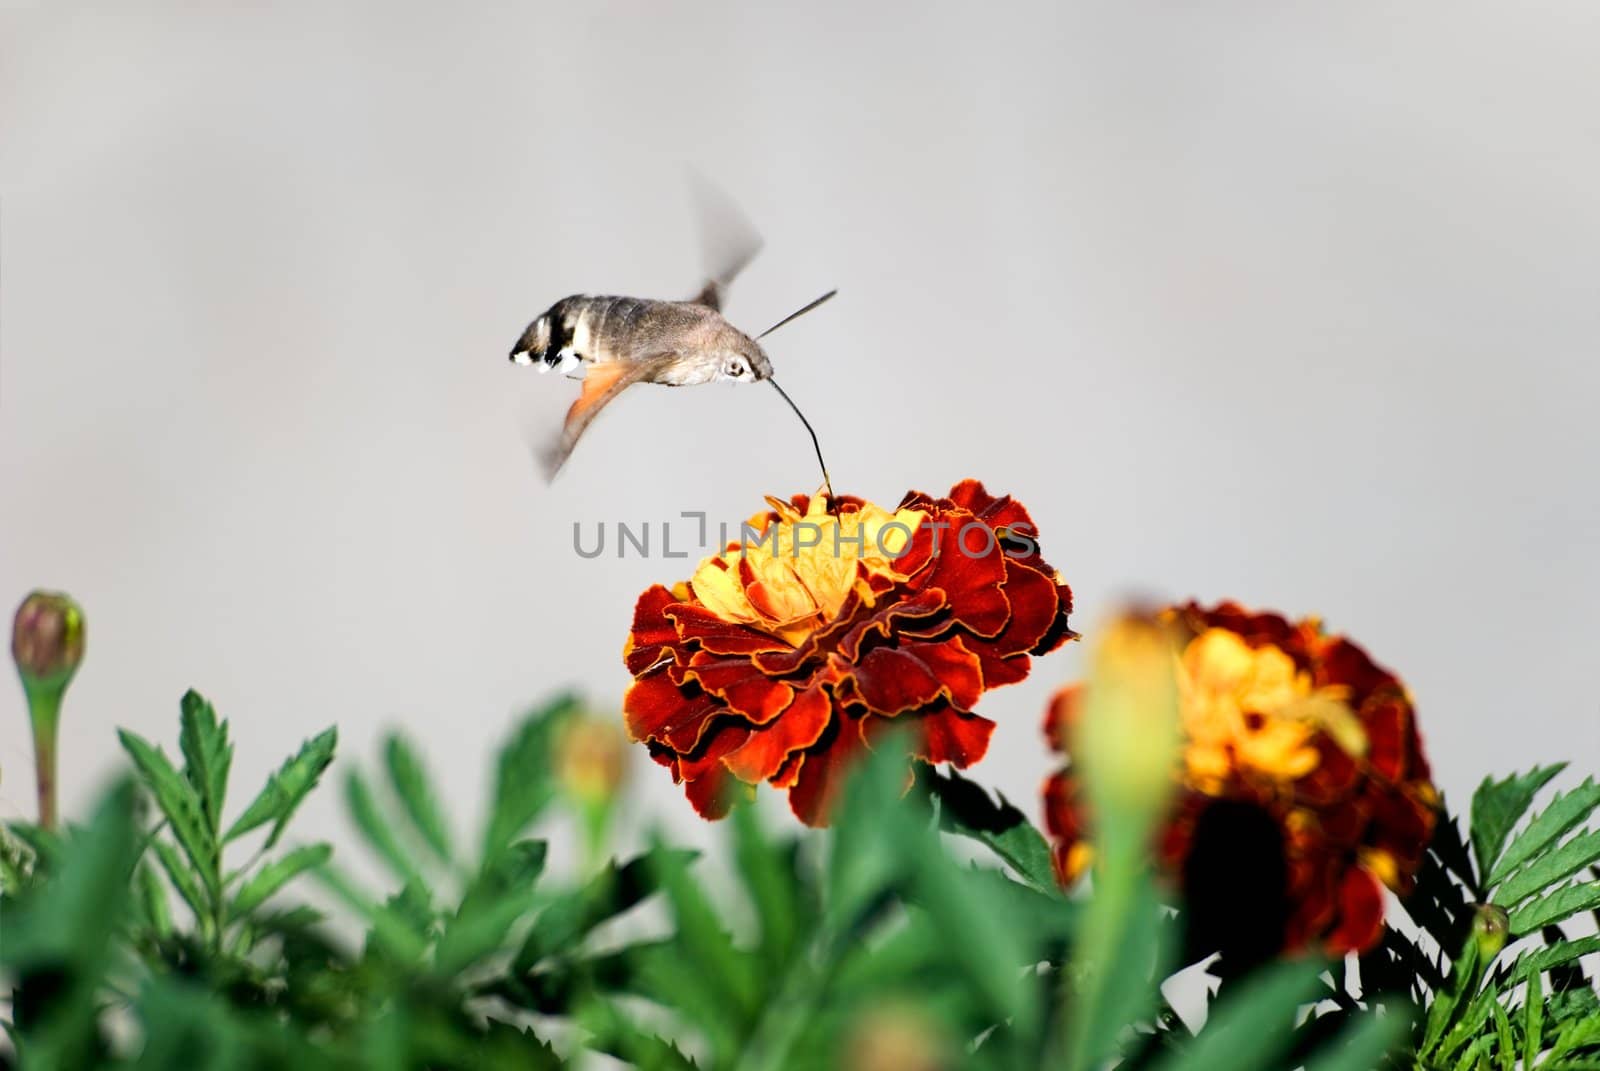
{"points": [[612, 343]]}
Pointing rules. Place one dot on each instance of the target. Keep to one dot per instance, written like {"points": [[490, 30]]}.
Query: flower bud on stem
{"points": [[47, 643]]}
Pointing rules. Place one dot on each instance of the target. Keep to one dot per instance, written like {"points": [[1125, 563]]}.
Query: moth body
{"points": [[614, 342], [673, 343]]}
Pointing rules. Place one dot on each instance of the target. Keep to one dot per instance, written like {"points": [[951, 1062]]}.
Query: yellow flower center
{"points": [[1250, 708], [802, 568]]}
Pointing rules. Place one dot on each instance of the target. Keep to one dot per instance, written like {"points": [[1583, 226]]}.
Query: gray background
{"points": [[1290, 303]]}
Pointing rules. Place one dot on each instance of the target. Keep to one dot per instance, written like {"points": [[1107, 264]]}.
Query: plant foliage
{"points": [[167, 931]]}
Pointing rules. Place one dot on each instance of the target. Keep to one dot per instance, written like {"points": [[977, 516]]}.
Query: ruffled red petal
{"points": [[824, 771], [653, 636], [892, 680], [769, 748]]}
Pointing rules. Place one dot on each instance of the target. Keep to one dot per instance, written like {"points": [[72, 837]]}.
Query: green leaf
{"points": [[1554, 907], [1532, 1022], [1554, 956], [1549, 869], [1363, 1044], [275, 875], [391, 930], [43, 844], [369, 819], [181, 805], [703, 942], [1470, 1027], [967, 809], [1577, 1034], [502, 892], [1253, 1028], [151, 897], [770, 884], [412, 786], [981, 934], [878, 836], [479, 929], [286, 789], [1497, 806], [60, 940], [207, 754], [182, 878], [1465, 974], [609, 894], [70, 918], [523, 782], [1548, 826], [1505, 1040]]}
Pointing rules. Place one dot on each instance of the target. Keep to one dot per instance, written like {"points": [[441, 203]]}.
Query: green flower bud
{"points": [[47, 642], [1490, 928], [47, 637]]}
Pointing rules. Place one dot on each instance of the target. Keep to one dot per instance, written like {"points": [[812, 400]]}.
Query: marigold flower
{"points": [[1297, 743], [788, 653]]}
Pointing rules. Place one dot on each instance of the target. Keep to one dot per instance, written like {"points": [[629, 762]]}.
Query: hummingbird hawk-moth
{"points": [[612, 343]]}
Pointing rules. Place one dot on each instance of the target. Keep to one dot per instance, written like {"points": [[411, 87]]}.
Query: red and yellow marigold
{"points": [[1285, 721], [832, 620]]}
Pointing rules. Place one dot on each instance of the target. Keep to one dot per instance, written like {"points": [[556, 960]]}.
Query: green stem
{"points": [[44, 711]]}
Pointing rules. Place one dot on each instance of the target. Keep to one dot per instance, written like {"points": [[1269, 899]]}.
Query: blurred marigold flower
{"points": [[1295, 744], [832, 620], [591, 759]]}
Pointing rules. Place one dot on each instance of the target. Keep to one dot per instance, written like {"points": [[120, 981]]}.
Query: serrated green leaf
{"points": [[180, 804], [207, 755], [1578, 1034], [1549, 869], [1465, 973], [182, 878], [287, 789], [1554, 956], [618, 1035], [1469, 1027], [609, 894], [374, 827], [523, 782], [1254, 1027], [1561, 904], [967, 809], [1532, 1021], [275, 875], [1505, 1040], [502, 892], [1497, 806], [479, 929], [1566, 811], [703, 942], [415, 791]]}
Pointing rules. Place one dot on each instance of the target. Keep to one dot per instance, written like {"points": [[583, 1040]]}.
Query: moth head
{"points": [[745, 366], [534, 342]]}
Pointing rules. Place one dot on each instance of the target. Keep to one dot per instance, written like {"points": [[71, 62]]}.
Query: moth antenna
{"points": [[826, 482], [795, 316]]}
